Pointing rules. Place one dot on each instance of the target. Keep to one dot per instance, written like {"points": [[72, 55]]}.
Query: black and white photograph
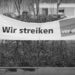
{"points": [[32, 37]]}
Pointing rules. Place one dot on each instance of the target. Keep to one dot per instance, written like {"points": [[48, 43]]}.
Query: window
{"points": [[45, 11]]}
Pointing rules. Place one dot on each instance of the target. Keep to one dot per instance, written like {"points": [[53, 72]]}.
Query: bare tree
{"points": [[58, 4], [37, 7], [31, 6], [18, 5]]}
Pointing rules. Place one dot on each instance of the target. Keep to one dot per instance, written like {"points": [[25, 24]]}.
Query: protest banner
{"points": [[12, 29]]}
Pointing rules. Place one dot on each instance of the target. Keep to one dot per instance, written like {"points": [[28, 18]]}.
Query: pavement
{"points": [[43, 71]]}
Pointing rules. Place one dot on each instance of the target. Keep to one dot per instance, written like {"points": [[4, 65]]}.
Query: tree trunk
{"points": [[58, 4], [18, 5], [37, 7]]}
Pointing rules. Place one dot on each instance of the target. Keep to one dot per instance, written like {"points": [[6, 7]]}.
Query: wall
{"points": [[69, 11]]}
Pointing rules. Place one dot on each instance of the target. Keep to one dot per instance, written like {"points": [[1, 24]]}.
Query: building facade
{"points": [[67, 9]]}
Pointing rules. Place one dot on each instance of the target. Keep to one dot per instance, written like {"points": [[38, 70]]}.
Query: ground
{"points": [[43, 71]]}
